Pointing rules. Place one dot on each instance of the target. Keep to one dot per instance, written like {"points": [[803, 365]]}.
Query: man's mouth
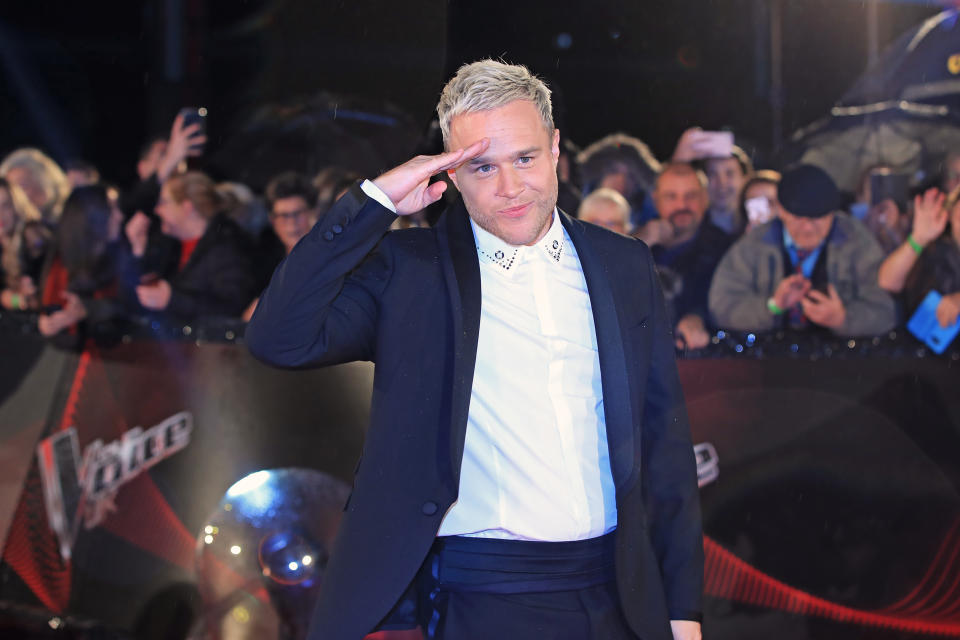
{"points": [[516, 212]]}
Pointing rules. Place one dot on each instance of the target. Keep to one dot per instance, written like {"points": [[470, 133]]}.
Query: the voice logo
{"points": [[81, 490]]}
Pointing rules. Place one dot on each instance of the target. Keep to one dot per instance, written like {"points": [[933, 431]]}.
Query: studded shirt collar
{"points": [[493, 250]]}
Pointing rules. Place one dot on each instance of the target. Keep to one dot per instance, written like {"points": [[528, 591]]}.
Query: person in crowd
{"points": [[727, 172], [686, 247], [40, 178], [159, 159], [493, 413], [929, 259], [20, 267], [625, 164], [607, 208], [726, 178], [214, 275], [80, 279], [888, 220], [812, 268], [81, 173], [244, 207], [293, 211], [761, 191]]}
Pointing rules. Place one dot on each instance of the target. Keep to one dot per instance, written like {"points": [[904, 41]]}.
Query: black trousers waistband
{"points": [[486, 565]]}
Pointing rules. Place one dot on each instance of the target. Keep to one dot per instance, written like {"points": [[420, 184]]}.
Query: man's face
{"points": [[680, 200], [291, 219], [807, 233], [606, 214], [725, 179], [510, 190]]}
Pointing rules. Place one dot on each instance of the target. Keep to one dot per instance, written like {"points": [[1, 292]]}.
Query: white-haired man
{"points": [[607, 208], [528, 469]]}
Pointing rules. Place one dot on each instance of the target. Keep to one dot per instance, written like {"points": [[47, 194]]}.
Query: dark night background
{"points": [[94, 79]]}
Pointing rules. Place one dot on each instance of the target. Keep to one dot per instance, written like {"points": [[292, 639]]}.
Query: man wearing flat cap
{"points": [[814, 268]]}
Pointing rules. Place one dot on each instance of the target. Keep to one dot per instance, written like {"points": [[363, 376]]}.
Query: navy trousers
{"points": [[480, 588]]}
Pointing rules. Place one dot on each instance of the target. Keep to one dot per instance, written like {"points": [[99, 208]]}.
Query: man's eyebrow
{"points": [[479, 160]]}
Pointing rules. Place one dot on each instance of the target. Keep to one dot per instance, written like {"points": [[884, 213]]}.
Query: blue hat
{"points": [[807, 191]]}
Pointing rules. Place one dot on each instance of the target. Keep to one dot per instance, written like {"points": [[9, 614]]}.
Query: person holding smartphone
{"points": [[810, 269]]}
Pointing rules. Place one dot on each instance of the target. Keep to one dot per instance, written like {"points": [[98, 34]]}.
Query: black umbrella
{"points": [[903, 112]]}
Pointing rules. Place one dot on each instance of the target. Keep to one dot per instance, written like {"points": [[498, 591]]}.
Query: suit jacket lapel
{"points": [[458, 254], [615, 381]]}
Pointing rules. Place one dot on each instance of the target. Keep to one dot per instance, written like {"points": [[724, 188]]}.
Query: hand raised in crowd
{"points": [[689, 146], [824, 309], [183, 143], [408, 186], [948, 310], [71, 313], [137, 230], [155, 296], [791, 291], [691, 332], [929, 216]]}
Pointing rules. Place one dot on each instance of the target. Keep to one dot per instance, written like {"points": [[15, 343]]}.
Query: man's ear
{"points": [[452, 174]]}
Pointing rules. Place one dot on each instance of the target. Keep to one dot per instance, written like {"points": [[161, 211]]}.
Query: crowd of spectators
{"points": [[736, 248]]}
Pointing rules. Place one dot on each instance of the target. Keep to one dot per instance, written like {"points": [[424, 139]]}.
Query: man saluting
{"points": [[528, 470]]}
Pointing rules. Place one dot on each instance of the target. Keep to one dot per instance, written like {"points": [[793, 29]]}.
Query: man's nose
{"points": [[509, 184]]}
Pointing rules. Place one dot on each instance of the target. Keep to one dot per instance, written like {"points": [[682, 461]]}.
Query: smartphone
{"points": [[195, 115], [758, 210], [925, 326], [887, 185], [714, 144]]}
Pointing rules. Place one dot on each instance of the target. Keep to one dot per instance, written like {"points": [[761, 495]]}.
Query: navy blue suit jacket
{"points": [[410, 302]]}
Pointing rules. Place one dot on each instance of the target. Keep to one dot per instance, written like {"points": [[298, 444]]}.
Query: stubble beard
{"points": [[541, 214]]}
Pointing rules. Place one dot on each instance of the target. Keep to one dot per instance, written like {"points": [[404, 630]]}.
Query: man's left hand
{"points": [[825, 309], [685, 630], [155, 296]]}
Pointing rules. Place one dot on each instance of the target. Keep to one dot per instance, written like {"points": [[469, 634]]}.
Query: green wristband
{"points": [[914, 245], [15, 301], [774, 309]]}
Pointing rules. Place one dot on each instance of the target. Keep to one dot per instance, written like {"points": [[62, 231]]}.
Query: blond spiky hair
{"points": [[489, 84]]}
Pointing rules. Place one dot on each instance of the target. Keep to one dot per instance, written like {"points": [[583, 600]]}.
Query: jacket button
{"points": [[429, 508], [337, 228], [328, 235]]}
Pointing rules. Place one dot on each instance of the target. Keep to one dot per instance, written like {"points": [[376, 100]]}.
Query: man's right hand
{"points": [[791, 291], [408, 186]]}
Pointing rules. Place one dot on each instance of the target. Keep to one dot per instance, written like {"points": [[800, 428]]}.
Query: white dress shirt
{"points": [[535, 461]]}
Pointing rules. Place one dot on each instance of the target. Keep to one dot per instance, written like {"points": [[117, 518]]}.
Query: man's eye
{"points": [[524, 160], [484, 168]]}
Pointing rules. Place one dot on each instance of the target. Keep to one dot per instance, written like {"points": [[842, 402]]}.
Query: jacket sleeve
{"points": [[671, 495], [321, 304], [870, 309], [734, 302]]}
